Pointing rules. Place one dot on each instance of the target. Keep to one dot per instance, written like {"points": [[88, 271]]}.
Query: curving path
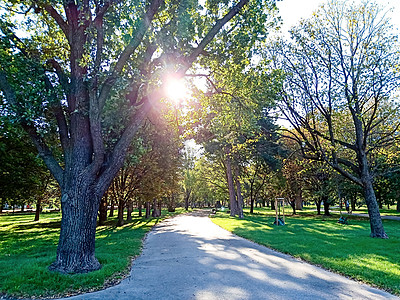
{"points": [[189, 257]]}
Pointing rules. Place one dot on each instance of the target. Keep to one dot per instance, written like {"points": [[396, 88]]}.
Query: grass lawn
{"points": [[346, 249], [27, 248]]}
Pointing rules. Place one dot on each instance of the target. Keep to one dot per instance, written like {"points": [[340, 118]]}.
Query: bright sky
{"points": [[292, 11]]}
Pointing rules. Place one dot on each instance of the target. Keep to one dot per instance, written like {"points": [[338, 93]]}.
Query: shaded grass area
{"points": [[27, 248], [346, 249]]}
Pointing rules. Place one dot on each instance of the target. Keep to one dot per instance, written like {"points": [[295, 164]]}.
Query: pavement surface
{"points": [[189, 257], [396, 218]]}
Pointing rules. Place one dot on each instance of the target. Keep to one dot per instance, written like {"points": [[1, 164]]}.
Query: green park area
{"points": [[117, 114], [343, 248], [27, 248]]}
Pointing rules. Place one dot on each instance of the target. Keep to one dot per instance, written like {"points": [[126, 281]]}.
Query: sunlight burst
{"points": [[176, 89]]}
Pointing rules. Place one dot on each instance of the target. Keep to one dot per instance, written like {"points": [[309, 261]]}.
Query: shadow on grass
{"points": [[347, 249]]}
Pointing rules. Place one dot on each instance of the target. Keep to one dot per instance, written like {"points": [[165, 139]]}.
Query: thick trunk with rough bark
{"points": [[398, 205], [76, 246]]}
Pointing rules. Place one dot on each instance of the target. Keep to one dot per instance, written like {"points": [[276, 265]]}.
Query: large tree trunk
{"points": [[398, 205], [76, 246], [38, 208], [231, 189]]}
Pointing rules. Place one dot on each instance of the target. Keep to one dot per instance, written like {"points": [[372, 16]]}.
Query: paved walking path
{"points": [[396, 218], [189, 257]]}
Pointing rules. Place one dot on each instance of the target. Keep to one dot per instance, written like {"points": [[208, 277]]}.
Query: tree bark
{"points": [[353, 201], [129, 206], [156, 210], [38, 208], [251, 205], [103, 210], [299, 202], [187, 196], [318, 204], [239, 198], [111, 214], [398, 205], [76, 246], [140, 208], [293, 205], [121, 207], [147, 210], [231, 188], [377, 230], [325, 199]]}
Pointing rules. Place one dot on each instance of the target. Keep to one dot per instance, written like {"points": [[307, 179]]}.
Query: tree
{"points": [[23, 177], [341, 69], [80, 54]]}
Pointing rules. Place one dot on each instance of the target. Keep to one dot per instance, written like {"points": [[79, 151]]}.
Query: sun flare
{"points": [[176, 89]]}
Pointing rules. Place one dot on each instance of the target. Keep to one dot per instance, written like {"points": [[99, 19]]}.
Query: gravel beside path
{"points": [[189, 257]]}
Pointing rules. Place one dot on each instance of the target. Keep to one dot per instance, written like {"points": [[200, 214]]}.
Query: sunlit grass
{"points": [[27, 248], [346, 249]]}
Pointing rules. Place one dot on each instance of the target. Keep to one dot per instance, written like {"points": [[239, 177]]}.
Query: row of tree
{"points": [[86, 84]]}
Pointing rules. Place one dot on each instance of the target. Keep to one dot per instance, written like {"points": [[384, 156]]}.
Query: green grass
{"points": [[27, 248], [346, 249]]}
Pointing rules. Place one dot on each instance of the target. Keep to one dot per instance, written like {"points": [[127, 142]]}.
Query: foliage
{"points": [[22, 173], [95, 70]]}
